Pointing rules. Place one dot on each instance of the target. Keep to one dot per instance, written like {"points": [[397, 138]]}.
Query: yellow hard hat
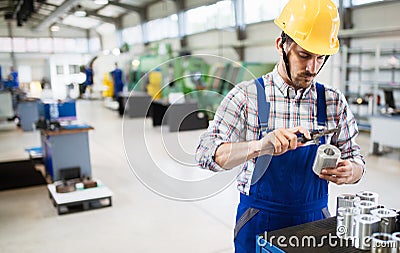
{"points": [[312, 24]]}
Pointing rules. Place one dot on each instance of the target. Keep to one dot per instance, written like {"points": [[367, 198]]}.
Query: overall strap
{"points": [[321, 105], [263, 106], [321, 108], [263, 118]]}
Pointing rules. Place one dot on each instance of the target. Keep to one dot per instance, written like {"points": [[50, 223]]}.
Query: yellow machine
{"points": [[154, 85], [108, 84]]}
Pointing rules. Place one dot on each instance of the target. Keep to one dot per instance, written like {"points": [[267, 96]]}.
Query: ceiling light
{"points": [[54, 28], [116, 51], [101, 2], [80, 13]]}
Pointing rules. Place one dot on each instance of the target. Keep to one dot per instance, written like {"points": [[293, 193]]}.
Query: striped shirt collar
{"points": [[287, 90]]}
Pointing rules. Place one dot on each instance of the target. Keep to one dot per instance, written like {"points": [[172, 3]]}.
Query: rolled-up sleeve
{"points": [[227, 126]]}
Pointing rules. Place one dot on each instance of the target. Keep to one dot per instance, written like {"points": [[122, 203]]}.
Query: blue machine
{"points": [[61, 111]]}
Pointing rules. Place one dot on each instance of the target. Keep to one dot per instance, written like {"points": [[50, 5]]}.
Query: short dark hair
{"points": [[286, 39]]}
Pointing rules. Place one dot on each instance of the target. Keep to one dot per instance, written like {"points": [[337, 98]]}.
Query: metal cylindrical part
{"points": [[367, 195], [327, 157], [346, 222], [396, 237], [366, 225], [346, 200], [388, 219], [365, 206], [383, 243]]}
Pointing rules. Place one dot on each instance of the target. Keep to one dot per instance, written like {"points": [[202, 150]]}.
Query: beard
{"points": [[303, 80]]}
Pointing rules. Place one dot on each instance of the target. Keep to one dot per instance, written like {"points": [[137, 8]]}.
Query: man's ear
{"points": [[279, 46]]}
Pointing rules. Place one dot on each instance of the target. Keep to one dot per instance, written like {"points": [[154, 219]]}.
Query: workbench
{"points": [[28, 112], [137, 104], [66, 148], [80, 200], [178, 116], [384, 133]]}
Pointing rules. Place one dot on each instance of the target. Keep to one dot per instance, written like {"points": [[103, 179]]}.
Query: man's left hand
{"points": [[346, 172]]}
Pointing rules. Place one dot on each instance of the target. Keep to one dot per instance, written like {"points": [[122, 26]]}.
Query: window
{"points": [[219, 15], [197, 20], [6, 45], [94, 44], [19, 45], [58, 45], [60, 69], [81, 45], [360, 2], [225, 15], [70, 45], [74, 69], [132, 35], [46, 45], [261, 10], [32, 45], [163, 28]]}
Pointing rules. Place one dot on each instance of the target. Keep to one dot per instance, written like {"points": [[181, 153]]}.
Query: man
{"points": [[117, 78], [13, 77], [257, 125], [89, 79]]}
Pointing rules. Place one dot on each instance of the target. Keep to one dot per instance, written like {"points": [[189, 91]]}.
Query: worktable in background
{"points": [[66, 148], [384, 132]]}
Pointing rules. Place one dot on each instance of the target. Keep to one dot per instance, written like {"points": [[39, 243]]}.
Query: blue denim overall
{"points": [[288, 193]]}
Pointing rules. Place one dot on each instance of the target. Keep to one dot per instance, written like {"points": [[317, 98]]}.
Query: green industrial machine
{"points": [[181, 74], [190, 73], [245, 71], [223, 77]]}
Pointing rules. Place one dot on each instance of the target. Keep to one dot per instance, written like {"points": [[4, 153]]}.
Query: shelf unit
{"points": [[365, 74]]}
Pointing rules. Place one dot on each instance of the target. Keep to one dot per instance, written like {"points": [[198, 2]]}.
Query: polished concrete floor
{"points": [[161, 202]]}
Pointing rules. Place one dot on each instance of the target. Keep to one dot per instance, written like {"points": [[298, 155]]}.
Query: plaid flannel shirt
{"points": [[236, 120]]}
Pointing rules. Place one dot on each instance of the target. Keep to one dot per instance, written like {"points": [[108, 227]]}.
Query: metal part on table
{"points": [[388, 219], [383, 243], [396, 237], [346, 223], [366, 225], [366, 206], [398, 222], [367, 195], [327, 157], [346, 200], [316, 134]]}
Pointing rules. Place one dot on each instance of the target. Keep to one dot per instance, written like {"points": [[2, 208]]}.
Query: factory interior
{"points": [[103, 104]]}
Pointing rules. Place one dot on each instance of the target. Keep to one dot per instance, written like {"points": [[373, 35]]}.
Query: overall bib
{"points": [[288, 193]]}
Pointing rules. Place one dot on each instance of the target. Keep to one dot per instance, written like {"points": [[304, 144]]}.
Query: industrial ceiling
{"points": [[83, 14]]}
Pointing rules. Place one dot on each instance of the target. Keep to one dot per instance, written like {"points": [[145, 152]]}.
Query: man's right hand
{"points": [[282, 140]]}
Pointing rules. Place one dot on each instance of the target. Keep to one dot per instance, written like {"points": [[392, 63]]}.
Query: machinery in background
{"points": [[223, 77], [200, 85]]}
